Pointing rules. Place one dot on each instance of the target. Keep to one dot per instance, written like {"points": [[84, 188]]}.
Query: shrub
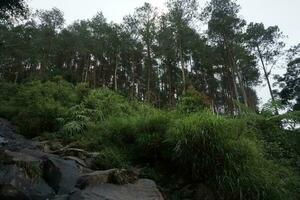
{"points": [[142, 136], [150, 137], [192, 101], [82, 91], [108, 102], [198, 142], [215, 150], [109, 158], [75, 121], [7, 92], [150, 173], [37, 105]]}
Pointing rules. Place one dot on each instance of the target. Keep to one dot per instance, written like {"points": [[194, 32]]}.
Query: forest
{"points": [[172, 93]]}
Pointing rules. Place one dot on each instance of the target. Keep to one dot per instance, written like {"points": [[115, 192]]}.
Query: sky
{"points": [[284, 13]]}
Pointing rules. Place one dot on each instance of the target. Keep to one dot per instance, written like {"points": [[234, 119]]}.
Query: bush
{"points": [[75, 121], [150, 137], [7, 92], [108, 103], [36, 106], [110, 158], [82, 91], [142, 136], [248, 157], [192, 101], [214, 150]]}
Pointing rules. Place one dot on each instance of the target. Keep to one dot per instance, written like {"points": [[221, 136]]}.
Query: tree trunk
{"points": [[235, 89], [132, 84], [243, 89], [149, 66], [239, 76], [171, 90], [267, 78], [116, 73], [16, 77], [182, 69], [234, 72]]}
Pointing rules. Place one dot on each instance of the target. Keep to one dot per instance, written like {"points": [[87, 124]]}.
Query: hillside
{"points": [[168, 103], [184, 149]]}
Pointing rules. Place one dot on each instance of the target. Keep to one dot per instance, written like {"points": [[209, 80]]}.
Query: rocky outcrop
{"points": [[33, 170], [21, 177], [143, 189]]}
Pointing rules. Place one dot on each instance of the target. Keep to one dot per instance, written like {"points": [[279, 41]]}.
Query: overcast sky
{"points": [[284, 13]]}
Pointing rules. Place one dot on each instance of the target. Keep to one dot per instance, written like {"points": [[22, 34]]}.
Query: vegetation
{"points": [[248, 157], [12, 8], [156, 94]]}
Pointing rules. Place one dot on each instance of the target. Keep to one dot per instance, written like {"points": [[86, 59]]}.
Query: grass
{"points": [[250, 157]]}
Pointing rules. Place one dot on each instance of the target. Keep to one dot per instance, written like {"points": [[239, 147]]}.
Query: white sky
{"points": [[284, 13]]}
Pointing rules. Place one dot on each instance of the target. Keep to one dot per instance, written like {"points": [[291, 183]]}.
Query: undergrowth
{"points": [[246, 157]]}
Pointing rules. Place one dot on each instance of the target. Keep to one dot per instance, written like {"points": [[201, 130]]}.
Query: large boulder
{"points": [[29, 170], [35, 174], [114, 176], [60, 174], [142, 189], [21, 177]]}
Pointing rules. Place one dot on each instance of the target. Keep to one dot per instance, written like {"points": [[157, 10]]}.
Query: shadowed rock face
{"points": [[142, 189], [28, 173]]}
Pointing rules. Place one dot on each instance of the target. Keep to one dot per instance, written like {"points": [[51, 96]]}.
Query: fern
{"points": [[73, 128], [76, 121], [290, 120]]}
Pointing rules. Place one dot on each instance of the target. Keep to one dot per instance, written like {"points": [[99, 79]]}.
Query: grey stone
{"points": [[143, 189]]}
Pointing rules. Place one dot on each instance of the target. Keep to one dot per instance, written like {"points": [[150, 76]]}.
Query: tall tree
{"points": [[145, 18], [224, 30], [166, 51], [267, 45], [49, 23], [181, 15], [290, 81], [12, 8]]}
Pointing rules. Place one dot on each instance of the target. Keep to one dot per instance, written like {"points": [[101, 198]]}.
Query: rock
{"points": [[61, 197], [203, 192], [94, 178], [3, 141], [115, 176], [77, 160], [60, 174], [21, 177], [143, 189], [18, 157], [121, 177], [55, 145], [16, 182], [9, 192], [36, 170]]}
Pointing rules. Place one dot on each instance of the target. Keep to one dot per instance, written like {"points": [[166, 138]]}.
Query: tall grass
{"points": [[250, 157]]}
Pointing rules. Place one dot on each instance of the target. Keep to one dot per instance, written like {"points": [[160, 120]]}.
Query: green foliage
{"points": [[280, 139], [248, 157], [192, 101], [110, 158], [82, 90], [36, 105], [270, 107], [75, 121], [216, 150], [108, 102], [7, 92], [150, 173], [142, 135], [13, 8], [198, 140]]}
